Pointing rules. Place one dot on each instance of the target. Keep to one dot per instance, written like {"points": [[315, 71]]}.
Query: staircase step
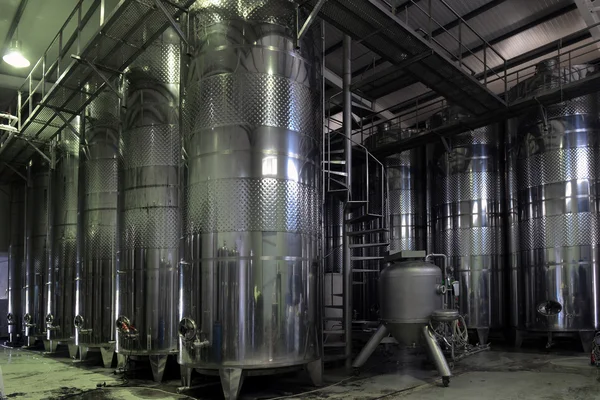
{"points": [[363, 245], [334, 344], [364, 218], [365, 258], [334, 332], [335, 162], [364, 271], [341, 151], [334, 306], [366, 232], [340, 173], [354, 204], [333, 318]]}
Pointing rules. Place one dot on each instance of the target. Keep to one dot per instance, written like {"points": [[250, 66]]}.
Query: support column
{"points": [[347, 276]]}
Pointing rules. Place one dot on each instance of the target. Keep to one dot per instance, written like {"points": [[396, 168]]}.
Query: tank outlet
{"points": [[10, 319], [549, 308], [441, 289], [187, 329]]}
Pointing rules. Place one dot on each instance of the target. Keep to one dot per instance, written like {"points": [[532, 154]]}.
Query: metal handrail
{"points": [[48, 70], [567, 60], [486, 44]]}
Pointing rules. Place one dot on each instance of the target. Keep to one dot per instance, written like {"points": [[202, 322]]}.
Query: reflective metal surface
{"points": [[558, 166], [468, 206], [253, 126], [95, 289], [149, 227], [60, 279], [408, 294], [16, 259], [334, 220], [35, 261]]}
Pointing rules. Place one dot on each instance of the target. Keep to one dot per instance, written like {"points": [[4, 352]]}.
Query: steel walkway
{"points": [[71, 74], [372, 23]]}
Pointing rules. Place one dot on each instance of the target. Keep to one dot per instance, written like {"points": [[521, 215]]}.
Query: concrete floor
{"points": [[498, 374]]}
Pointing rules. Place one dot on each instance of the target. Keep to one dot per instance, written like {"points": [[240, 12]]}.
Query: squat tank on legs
{"points": [[253, 130]]}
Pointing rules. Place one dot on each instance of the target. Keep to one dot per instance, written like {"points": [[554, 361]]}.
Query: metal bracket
{"points": [[35, 148], [174, 24], [311, 17], [67, 123], [13, 169], [99, 73]]}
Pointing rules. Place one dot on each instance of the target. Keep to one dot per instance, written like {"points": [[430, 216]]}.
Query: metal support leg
{"points": [[186, 376], [315, 370], [436, 354], [50, 346], [158, 363], [586, 337], [231, 381], [83, 352], [73, 350], [107, 353], [370, 347], [482, 335], [121, 360], [519, 336]]}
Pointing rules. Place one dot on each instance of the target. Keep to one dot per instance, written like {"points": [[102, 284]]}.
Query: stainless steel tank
{"points": [[96, 271], [37, 227], [60, 278], [409, 292], [253, 130], [149, 229], [558, 166], [16, 261], [468, 208]]}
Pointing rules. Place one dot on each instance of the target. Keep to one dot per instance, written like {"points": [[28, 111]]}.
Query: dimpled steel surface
{"points": [[149, 227], [95, 292], [252, 117], [468, 211], [16, 261]]}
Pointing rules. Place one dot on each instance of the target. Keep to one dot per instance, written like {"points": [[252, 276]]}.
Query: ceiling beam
{"points": [[590, 17], [14, 24], [336, 81]]}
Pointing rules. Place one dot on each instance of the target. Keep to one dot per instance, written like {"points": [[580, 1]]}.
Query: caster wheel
{"points": [[356, 371], [446, 381]]}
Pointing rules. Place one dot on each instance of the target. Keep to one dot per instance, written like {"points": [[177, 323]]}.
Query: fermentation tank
{"points": [[60, 279], [16, 261], [32, 279], [96, 271], [149, 231], [468, 210], [558, 166], [253, 130], [409, 293]]}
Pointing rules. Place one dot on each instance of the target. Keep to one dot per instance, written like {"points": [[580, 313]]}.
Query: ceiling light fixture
{"points": [[14, 56]]}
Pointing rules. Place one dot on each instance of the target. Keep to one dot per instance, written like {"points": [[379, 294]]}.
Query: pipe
{"points": [[428, 257], [370, 347], [347, 276], [435, 352]]}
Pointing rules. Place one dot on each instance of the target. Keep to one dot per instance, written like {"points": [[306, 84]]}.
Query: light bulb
{"points": [[14, 56]]}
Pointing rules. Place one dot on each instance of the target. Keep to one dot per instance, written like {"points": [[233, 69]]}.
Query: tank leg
{"points": [[107, 353], [482, 336], [370, 347], [586, 338], [121, 361], [315, 370], [519, 336], [436, 354], [186, 376], [158, 363], [231, 381], [83, 352], [50, 346], [73, 350]]}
